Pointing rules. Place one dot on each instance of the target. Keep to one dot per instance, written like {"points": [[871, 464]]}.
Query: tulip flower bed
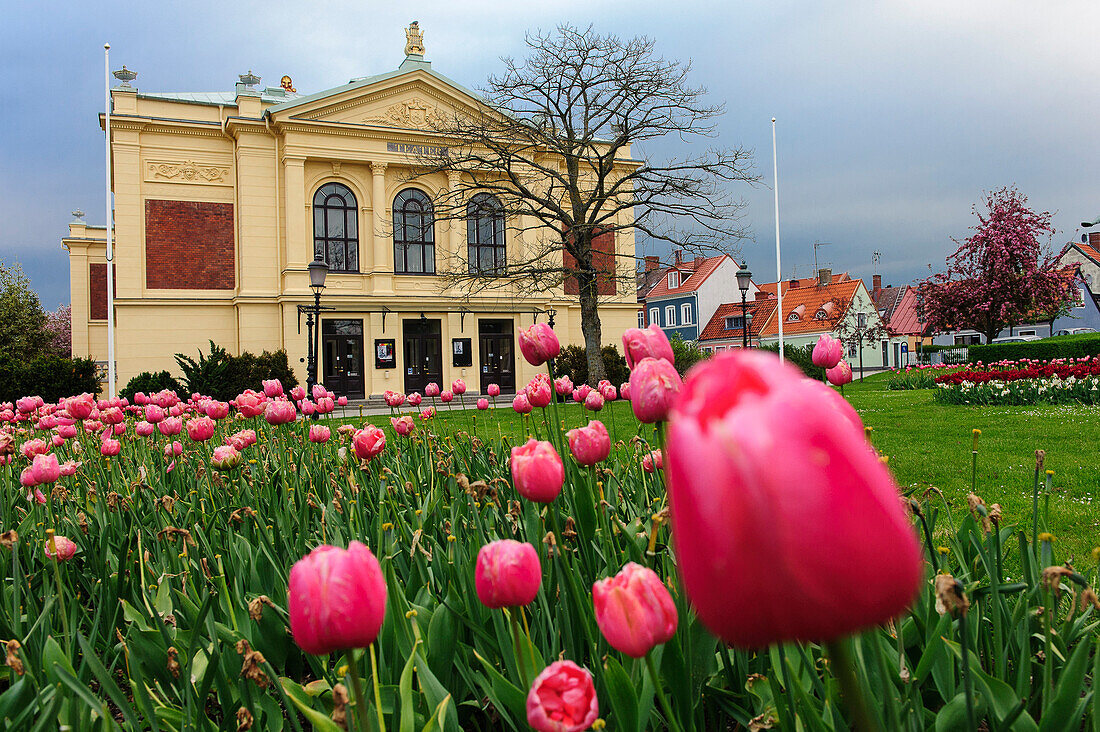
{"points": [[217, 568], [1023, 382], [922, 376]]}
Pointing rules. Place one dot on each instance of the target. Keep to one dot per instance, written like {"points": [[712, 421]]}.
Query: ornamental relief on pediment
{"points": [[413, 113], [187, 171]]}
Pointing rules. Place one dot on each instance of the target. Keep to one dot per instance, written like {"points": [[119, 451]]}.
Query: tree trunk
{"points": [[590, 326]]}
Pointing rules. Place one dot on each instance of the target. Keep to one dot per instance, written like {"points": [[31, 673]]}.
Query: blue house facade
{"points": [[689, 292], [675, 315]]}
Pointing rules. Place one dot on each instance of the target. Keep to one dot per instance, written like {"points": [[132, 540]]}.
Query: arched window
{"points": [[335, 227], [485, 235], [413, 233]]}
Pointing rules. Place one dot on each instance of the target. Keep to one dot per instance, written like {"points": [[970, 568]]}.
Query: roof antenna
{"points": [[816, 245], [875, 257]]}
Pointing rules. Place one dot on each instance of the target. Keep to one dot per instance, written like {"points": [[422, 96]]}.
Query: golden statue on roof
{"points": [[414, 39]]}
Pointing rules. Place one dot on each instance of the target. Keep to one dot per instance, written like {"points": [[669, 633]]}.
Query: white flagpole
{"points": [[110, 227], [778, 262]]}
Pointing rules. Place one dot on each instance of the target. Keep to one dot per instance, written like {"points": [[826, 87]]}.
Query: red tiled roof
{"points": [[1090, 252], [762, 311], [769, 287], [689, 284], [810, 300], [905, 320]]}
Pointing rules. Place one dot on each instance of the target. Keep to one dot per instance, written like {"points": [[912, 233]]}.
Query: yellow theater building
{"points": [[222, 200]]}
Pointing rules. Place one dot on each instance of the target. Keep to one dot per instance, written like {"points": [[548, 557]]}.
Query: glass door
{"points": [[423, 349], [342, 357], [498, 358]]}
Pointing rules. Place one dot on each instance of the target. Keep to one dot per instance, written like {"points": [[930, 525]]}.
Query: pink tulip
{"points": [[45, 469], [539, 344], [563, 386], [581, 392], [319, 433], [521, 403], [393, 399], [200, 429], [112, 415], [297, 394], [840, 374], [280, 411], [217, 410], [341, 401], [154, 413], [608, 391], [68, 431], [404, 425], [336, 599], [170, 426], [80, 407], [242, 439], [796, 502], [458, 386], [590, 444], [69, 468], [110, 448], [58, 440], [482, 403], [537, 471], [37, 446], [427, 413], [225, 457], [431, 390], [369, 442], [144, 429], [653, 461], [624, 390], [562, 699], [493, 390], [538, 392], [119, 429], [446, 396], [273, 388], [654, 385], [634, 610], [594, 401], [63, 548], [827, 351], [318, 391], [508, 574], [414, 399], [651, 342], [325, 405], [173, 449]]}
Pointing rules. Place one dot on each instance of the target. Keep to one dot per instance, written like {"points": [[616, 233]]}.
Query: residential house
{"points": [[899, 308], [689, 293], [725, 329], [646, 279]]}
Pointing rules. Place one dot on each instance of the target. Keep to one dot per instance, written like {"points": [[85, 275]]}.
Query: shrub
{"points": [[50, 377], [686, 353], [1070, 346], [800, 356], [573, 362], [150, 383], [222, 376]]}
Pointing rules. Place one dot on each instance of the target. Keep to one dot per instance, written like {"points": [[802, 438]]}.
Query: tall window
{"points": [[335, 228], [654, 317], [485, 234], [670, 315], [641, 318], [685, 314], [413, 233]]}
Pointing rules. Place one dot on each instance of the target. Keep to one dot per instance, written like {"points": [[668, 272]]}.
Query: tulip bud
{"points": [[590, 444], [537, 471], [634, 610], [650, 342], [654, 384], [336, 599], [508, 574], [539, 344]]}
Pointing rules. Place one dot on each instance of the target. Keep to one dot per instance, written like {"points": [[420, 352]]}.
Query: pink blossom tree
{"points": [[1001, 275], [59, 325]]}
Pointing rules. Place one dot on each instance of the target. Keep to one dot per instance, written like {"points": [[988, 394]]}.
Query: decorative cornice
{"points": [[188, 171]]}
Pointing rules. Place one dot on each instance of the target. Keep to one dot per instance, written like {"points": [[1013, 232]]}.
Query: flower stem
{"points": [[357, 690], [661, 698], [968, 682], [377, 691], [519, 651], [849, 687]]}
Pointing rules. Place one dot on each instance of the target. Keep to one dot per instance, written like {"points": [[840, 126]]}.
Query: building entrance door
{"points": [[423, 354], [342, 357], [498, 355]]}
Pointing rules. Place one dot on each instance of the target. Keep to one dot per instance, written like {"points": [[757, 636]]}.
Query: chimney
{"points": [[679, 253], [699, 262], [652, 262], [824, 276], [1094, 238], [762, 295], [877, 282], [793, 283]]}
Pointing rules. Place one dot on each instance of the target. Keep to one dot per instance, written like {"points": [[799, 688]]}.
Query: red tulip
{"points": [[634, 610], [537, 471], [369, 442], [650, 342], [63, 548], [562, 699], [508, 574], [654, 384], [590, 444], [336, 599], [539, 344], [795, 511], [840, 374]]}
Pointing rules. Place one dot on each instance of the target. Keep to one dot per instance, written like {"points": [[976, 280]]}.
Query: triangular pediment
{"points": [[416, 100]]}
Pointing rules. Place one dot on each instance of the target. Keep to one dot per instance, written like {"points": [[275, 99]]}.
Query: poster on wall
{"points": [[385, 353], [462, 352]]}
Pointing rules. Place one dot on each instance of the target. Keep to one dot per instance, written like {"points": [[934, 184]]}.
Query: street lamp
{"points": [[744, 280], [550, 313], [748, 326], [318, 270]]}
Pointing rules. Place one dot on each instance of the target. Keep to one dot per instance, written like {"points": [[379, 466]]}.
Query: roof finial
{"points": [[78, 216], [414, 39], [125, 76], [249, 79]]}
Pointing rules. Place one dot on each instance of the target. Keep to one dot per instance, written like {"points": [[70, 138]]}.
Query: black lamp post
{"points": [[744, 280], [318, 270], [550, 312]]}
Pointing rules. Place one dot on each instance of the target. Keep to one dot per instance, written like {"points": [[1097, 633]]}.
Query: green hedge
{"points": [[1069, 346], [221, 375], [50, 377], [573, 362], [800, 356]]}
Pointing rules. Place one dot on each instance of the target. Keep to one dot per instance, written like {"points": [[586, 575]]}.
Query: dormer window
{"points": [[824, 311], [673, 279], [796, 314], [793, 317], [733, 322]]}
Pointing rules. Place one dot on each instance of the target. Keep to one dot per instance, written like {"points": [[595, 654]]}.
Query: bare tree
{"points": [[557, 145]]}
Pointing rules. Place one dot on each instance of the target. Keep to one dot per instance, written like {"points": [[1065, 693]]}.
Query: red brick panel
{"points": [[603, 261], [188, 245], [97, 290]]}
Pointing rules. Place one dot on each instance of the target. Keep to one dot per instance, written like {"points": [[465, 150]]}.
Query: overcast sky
{"points": [[893, 117]]}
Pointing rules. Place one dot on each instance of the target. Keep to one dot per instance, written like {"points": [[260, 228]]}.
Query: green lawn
{"points": [[928, 444]]}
